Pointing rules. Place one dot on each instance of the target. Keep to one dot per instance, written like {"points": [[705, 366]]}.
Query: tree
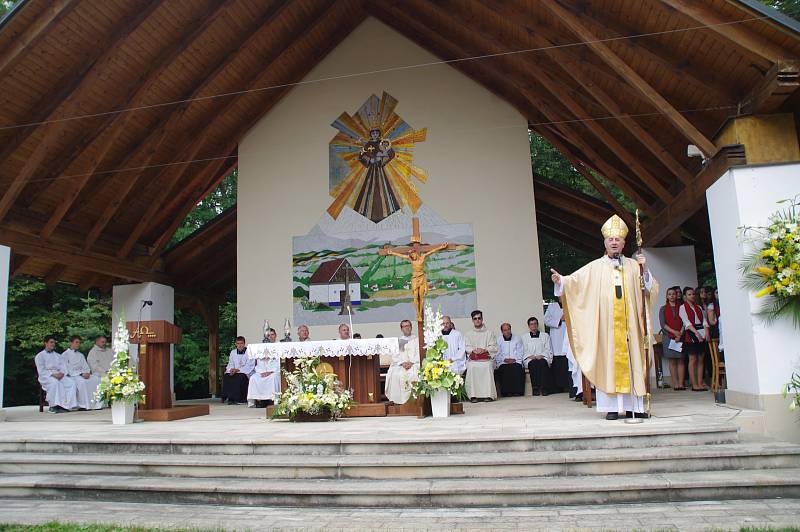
{"points": [[790, 8]]}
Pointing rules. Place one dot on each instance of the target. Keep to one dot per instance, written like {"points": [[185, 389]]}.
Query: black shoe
{"points": [[641, 415], [473, 400], [231, 402], [628, 414], [611, 416], [579, 397], [545, 394]]}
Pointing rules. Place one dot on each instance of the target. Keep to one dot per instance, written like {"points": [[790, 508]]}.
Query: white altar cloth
{"points": [[326, 348]]}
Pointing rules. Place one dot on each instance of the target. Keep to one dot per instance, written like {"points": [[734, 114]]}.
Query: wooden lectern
{"points": [[154, 339]]}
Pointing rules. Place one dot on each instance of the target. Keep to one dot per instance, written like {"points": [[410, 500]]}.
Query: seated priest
{"points": [[52, 370], [236, 379], [100, 357], [456, 349], [404, 370], [81, 374], [303, 334], [344, 332], [481, 347], [538, 358], [508, 363], [265, 382]]}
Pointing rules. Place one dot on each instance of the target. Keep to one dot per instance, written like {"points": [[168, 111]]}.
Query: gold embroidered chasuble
{"points": [[606, 332]]}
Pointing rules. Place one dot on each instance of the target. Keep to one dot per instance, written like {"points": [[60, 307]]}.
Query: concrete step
{"points": [[498, 492], [616, 437], [752, 455]]}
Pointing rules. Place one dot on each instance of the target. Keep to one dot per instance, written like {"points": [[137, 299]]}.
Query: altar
{"points": [[355, 362]]}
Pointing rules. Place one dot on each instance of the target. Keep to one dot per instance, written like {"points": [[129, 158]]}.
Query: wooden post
{"points": [[213, 347]]}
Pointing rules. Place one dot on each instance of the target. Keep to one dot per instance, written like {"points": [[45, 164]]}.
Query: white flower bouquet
{"points": [[311, 392], [121, 383]]}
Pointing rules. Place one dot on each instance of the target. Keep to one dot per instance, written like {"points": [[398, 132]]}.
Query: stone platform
{"points": [[513, 452]]}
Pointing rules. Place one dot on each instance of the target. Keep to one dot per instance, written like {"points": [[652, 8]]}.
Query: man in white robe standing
{"points": [[456, 349], [265, 382], [81, 374], [236, 379], [404, 370], [100, 357], [481, 347], [538, 358], [52, 370], [559, 340]]}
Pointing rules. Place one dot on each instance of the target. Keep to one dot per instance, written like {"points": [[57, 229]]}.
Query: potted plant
{"points": [[436, 380], [121, 387], [311, 394]]}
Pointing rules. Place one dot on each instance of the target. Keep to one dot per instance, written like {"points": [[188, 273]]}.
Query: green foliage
{"points": [[790, 8], [217, 201], [6, 6]]}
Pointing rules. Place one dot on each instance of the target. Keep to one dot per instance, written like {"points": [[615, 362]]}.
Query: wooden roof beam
{"points": [[261, 78], [18, 264], [563, 58], [570, 200], [55, 274], [692, 198], [556, 230], [54, 11], [154, 141], [571, 21], [778, 85], [201, 240], [575, 224], [120, 122], [739, 35], [71, 105], [25, 244], [87, 282]]}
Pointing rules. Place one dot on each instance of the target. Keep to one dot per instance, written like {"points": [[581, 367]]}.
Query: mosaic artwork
{"points": [[371, 161]]}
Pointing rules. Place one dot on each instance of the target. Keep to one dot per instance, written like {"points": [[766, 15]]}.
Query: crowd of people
{"points": [[689, 319], [70, 379], [492, 364]]}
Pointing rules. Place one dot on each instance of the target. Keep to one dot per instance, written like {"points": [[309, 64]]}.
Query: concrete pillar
{"points": [[5, 264], [127, 299], [759, 358]]}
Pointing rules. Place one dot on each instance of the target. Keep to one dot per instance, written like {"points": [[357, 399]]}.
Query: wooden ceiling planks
{"points": [[642, 155]]}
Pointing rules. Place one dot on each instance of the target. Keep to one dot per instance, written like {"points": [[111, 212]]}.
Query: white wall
{"points": [[759, 359], [476, 154], [5, 258], [127, 301]]}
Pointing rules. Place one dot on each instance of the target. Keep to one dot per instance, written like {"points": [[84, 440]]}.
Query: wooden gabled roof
{"points": [[645, 79]]}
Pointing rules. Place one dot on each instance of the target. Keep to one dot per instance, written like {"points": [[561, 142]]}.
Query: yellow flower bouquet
{"points": [[311, 392], [435, 373], [772, 270], [121, 383]]}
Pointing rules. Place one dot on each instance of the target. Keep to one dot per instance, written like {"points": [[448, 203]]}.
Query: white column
{"points": [[5, 257], [759, 358], [127, 299]]}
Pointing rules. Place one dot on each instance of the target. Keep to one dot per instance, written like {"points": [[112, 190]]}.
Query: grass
{"points": [[69, 527]]}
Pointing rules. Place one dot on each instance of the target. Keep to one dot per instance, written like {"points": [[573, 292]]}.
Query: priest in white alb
{"points": [[559, 342], [100, 357], [508, 363], [404, 370], [52, 370], [81, 374], [538, 358], [456, 348], [265, 382], [236, 379], [481, 347], [603, 306]]}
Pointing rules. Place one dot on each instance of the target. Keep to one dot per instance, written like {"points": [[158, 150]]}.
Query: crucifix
{"points": [[416, 252]]}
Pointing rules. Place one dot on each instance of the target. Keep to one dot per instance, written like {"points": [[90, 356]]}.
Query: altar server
{"points": [[404, 370], [81, 374], [100, 357], [481, 347], [456, 349], [265, 382], [52, 370], [508, 363], [538, 358], [559, 342], [236, 379]]}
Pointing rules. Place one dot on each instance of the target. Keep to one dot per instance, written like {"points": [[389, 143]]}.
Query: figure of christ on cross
{"points": [[416, 253]]}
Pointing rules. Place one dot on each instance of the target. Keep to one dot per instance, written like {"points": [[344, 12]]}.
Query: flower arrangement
{"points": [[772, 270], [435, 374], [313, 392], [121, 383], [793, 388]]}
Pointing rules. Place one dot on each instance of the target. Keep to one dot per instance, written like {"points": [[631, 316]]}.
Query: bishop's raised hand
{"points": [[555, 277]]}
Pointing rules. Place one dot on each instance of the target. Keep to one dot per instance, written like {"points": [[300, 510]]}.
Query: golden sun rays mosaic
{"points": [[371, 161]]}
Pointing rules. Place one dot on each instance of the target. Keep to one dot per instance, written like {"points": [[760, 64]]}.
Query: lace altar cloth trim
{"points": [[326, 348]]}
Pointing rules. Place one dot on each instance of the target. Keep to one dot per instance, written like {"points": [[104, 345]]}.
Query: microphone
{"points": [[146, 302]]}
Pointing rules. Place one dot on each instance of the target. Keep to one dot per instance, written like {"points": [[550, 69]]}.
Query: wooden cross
{"points": [[416, 253]]}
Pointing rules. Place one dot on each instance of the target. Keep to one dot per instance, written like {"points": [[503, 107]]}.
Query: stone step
{"points": [[617, 437], [752, 455], [498, 492]]}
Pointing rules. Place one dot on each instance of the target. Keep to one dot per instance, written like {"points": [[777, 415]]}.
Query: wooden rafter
{"points": [[203, 239], [778, 85], [54, 274], [557, 230], [18, 264], [738, 34], [692, 198], [623, 69], [259, 79], [152, 144], [45, 150], [120, 122], [87, 282], [54, 12]]}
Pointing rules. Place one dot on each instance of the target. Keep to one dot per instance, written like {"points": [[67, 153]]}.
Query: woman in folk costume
{"points": [[695, 337], [605, 316]]}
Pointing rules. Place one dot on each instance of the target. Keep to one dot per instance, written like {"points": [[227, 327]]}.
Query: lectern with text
{"points": [[154, 339]]}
